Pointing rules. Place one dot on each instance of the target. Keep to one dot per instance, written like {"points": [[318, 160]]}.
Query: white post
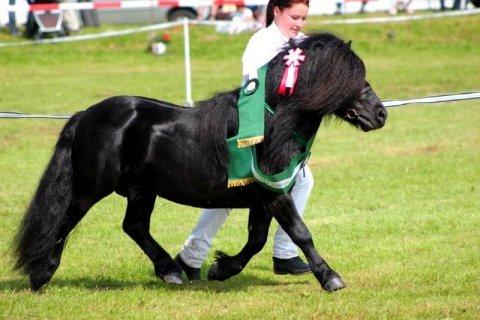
{"points": [[188, 75]]}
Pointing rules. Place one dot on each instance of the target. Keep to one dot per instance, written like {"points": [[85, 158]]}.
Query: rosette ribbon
{"points": [[292, 61]]}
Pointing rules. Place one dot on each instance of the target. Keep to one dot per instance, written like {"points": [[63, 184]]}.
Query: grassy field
{"points": [[395, 212]]}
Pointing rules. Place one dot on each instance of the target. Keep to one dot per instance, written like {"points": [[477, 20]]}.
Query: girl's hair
{"points": [[281, 4]]}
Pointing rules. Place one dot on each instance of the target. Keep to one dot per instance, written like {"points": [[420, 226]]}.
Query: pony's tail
{"points": [[38, 232]]}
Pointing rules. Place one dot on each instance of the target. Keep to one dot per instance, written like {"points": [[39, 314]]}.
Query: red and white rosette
{"points": [[292, 61]]}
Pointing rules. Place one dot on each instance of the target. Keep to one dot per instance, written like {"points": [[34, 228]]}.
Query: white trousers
{"points": [[196, 247]]}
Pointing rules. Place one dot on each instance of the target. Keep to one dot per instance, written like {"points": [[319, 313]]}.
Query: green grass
{"points": [[395, 212]]}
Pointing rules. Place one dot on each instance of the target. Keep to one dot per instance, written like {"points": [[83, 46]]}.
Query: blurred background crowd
{"points": [[37, 24]]}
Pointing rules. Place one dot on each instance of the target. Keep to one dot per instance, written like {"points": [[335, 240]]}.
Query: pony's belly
{"points": [[229, 198]]}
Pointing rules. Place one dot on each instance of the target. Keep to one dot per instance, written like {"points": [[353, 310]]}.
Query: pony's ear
{"points": [[348, 44]]}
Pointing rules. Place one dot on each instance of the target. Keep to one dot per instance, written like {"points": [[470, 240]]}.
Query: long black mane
{"points": [[331, 76]]}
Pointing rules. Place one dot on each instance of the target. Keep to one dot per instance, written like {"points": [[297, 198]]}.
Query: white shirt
{"points": [[262, 47]]}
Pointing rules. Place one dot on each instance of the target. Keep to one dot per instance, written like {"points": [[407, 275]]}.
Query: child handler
{"points": [[284, 21]]}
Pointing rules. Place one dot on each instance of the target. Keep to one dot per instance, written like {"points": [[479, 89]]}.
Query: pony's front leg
{"points": [[227, 266], [284, 211]]}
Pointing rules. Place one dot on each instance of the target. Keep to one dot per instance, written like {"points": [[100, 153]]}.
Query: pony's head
{"points": [[366, 112], [330, 81]]}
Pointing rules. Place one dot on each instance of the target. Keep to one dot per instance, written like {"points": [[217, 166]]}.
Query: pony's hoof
{"points": [[35, 286], [37, 282], [173, 278], [334, 284], [213, 272]]}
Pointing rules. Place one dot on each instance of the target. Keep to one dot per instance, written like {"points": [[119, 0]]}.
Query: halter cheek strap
{"points": [[352, 113]]}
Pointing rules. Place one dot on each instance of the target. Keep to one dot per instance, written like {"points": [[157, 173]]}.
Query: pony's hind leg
{"points": [[137, 225], [227, 266], [46, 266]]}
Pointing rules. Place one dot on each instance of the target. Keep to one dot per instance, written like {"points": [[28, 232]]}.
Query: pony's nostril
{"points": [[382, 114]]}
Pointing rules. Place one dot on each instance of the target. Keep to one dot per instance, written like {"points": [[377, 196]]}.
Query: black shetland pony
{"points": [[142, 148]]}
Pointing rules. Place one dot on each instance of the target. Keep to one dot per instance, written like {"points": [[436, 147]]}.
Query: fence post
{"points": [[188, 73]]}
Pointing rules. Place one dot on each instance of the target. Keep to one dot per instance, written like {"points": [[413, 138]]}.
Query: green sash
{"points": [[243, 167], [251, 113], [282, 182], [251, 122]]}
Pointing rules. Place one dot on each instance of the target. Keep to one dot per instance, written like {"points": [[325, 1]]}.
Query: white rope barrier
{"points": [[387, 103], [434, 99], [94, 36], [19, 115], [253, 24], [437, 15]]}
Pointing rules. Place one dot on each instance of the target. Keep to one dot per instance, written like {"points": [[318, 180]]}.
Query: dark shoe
{"points": [[193, 274], [294, 266]]}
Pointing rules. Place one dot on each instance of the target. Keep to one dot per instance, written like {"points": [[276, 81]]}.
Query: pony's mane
{"points": [[216, 112], [332, 76]]}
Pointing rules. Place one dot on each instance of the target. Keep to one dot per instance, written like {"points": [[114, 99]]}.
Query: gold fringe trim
{"points": [[240, 182], [247, 142]]}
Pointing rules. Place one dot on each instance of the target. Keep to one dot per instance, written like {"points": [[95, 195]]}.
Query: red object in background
{"points": [[166, 37]]}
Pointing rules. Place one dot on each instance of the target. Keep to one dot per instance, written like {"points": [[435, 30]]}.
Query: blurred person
{"points": [[242, 20], [442, 5], [338, 7], [203, 13], [214, 11], [456, 4], [243, 13], [260, 14], [363, 5], [89, 17], [284, 22], [71, 22], [12, 20], [222, 12]]}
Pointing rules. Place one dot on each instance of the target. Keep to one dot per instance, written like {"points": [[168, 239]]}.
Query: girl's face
{"points": [[290, 20]]}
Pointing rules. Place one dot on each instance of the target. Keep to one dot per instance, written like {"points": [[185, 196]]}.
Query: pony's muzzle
{"points": [[382, 114]]}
